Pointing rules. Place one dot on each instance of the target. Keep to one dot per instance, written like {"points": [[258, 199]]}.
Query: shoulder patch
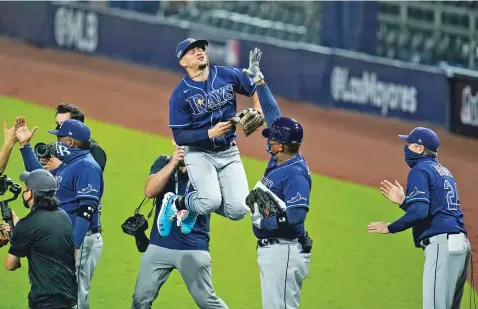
{"points": [[296, 199], [88, 189], [415, 192]]}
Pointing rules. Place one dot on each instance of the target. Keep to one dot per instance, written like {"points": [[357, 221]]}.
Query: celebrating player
{"points": [[80, 189], [202, 110], [283, 243], [432, 207], [189, 254]]}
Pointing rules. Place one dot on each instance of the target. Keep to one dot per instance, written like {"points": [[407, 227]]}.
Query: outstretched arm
{"points": [[24, 136], [9, 140], [266, 100], [269, 105]]}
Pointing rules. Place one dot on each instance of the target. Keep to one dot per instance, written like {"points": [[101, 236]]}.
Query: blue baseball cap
{"points": [[187, 44], [422, 136], [74, 129]]}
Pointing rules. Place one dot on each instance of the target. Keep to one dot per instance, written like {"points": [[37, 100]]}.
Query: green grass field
{"points": [[350, 269]]}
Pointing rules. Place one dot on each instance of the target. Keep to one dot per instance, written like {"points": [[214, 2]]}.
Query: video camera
{"points": [[137, 225], [45, 151], [8, 184]]}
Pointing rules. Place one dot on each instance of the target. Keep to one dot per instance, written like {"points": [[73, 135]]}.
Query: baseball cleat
{"points": [[180, 216], [188, 222], [167, 214]]}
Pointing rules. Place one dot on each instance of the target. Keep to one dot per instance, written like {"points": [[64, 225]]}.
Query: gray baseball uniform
{"points": [[188, 253], [446, 261], [86, 261], [193, 265], [220, 181], [282, 267]]}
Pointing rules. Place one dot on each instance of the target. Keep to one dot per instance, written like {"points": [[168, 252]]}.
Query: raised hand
{"points": [[9, 136], [394, 192], [23, 134], [254, 71]]}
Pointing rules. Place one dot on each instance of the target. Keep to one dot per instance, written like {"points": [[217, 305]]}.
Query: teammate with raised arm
{"points": [[284, 247]]}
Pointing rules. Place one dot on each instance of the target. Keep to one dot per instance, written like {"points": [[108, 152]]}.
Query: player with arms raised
{"points": [[279, 204], [202, 116]]}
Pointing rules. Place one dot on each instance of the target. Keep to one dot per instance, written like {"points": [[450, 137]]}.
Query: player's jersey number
{"points": [[452, 197]]}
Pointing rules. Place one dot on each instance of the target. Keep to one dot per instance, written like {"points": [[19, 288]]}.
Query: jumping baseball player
{"points": [[432, 210], [202, 116], [283, 244], [80, 188], [189, 254]]}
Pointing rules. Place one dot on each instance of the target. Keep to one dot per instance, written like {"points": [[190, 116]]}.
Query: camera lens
{"points": [[41, 149]]}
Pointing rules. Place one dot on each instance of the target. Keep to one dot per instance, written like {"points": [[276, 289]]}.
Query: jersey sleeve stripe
{"points": [[297, 205], [179, 125], [87, 196], [418, 199]]}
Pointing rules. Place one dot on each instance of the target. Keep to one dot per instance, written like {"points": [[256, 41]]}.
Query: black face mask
{"points": [[25, 202]]}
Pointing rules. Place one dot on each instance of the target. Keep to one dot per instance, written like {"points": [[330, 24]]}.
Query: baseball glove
{"points": [[249, 119], [3, 236], [266, 204]]}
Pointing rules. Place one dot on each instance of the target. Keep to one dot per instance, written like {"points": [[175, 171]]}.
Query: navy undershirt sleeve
{"points": [[184, 137], [416, 212]]}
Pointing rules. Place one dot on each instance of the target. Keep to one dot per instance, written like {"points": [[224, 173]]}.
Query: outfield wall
{"points": [[323, 76]]}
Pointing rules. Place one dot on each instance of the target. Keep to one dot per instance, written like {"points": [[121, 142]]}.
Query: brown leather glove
{"points": [[3, 235], [249, 119]]}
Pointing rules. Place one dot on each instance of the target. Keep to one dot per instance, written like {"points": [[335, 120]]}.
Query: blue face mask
{"points": [[268, 149], [65, 153], [411, 157]]}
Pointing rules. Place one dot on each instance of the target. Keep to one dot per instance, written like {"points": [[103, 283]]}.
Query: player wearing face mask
{"points": [[80, 188]]}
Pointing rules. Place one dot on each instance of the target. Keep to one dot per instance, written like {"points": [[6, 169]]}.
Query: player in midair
{"points": [[432, 209], [200, 112], [284, 247]]}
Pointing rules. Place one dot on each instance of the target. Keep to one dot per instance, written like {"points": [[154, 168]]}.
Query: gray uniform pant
{"points": [[220, 181], [86, 260], [446, 268], [193, 265], [282, 269]]}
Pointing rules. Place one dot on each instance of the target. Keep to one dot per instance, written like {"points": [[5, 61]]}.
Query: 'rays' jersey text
{"points": [[199, 106]]}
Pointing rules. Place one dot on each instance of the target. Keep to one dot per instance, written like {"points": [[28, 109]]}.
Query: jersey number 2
{"points": [[451, 196]]}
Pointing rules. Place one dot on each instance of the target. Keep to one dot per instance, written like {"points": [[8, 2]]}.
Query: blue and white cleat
{"points": [[167, 214], [188, 221]]}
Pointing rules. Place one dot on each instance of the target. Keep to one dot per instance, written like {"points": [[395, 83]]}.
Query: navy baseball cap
{"points": [[187, 44], [423, 136], [74, 129]]}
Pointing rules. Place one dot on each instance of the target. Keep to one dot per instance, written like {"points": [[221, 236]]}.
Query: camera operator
{"points": [[71, 111], [45, 237], [9, 140], [188, 253], [80, 188]]}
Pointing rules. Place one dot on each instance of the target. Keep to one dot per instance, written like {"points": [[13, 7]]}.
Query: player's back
{"points": [[445, 212]]}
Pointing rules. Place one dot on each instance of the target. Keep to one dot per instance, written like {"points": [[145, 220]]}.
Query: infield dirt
{"points": [[349, 146]]}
